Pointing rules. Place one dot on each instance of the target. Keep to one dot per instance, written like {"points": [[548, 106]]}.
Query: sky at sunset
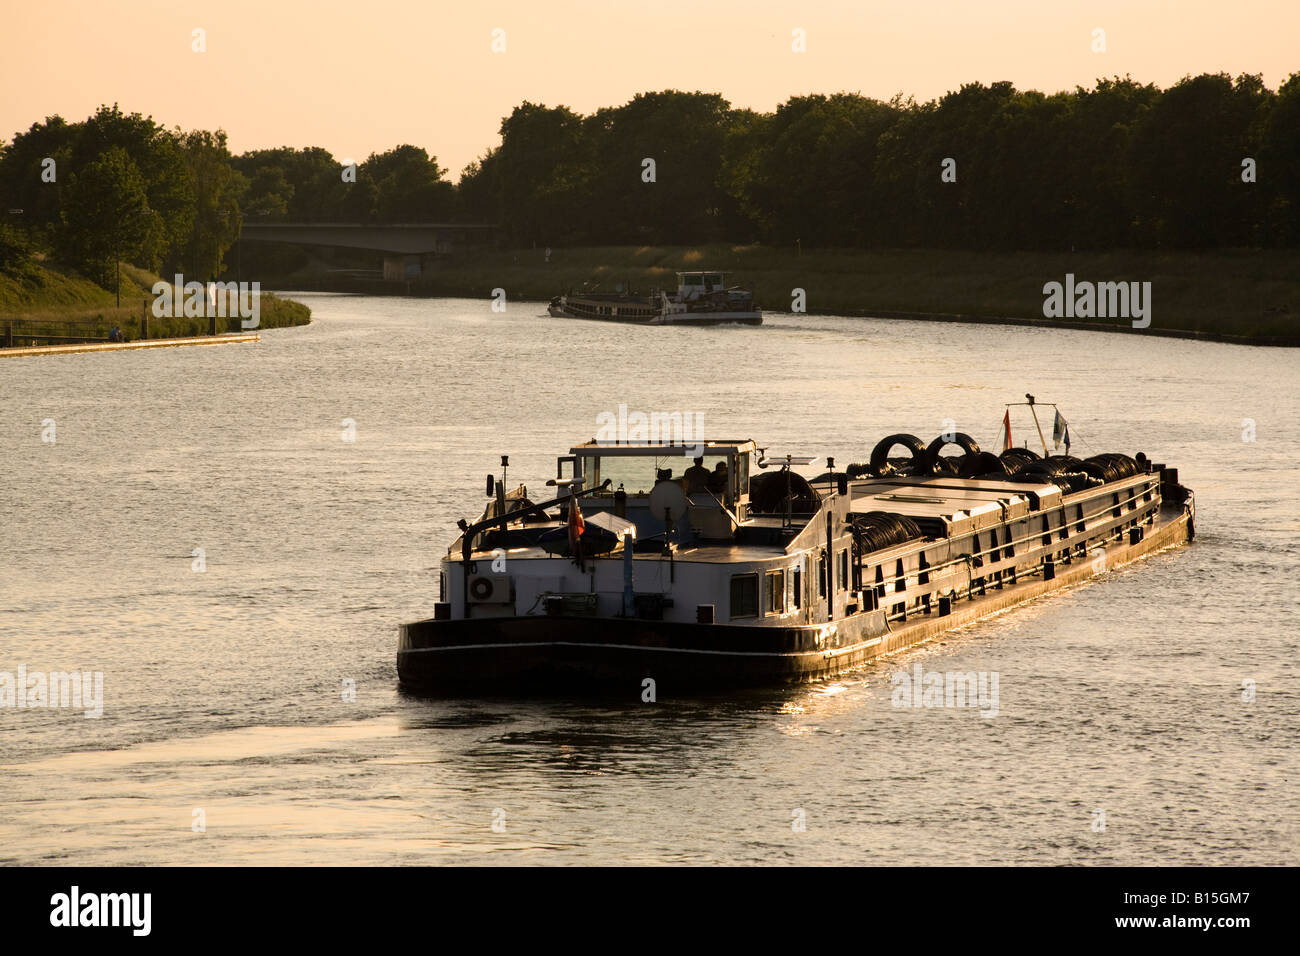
{"points": [[359, 78]]}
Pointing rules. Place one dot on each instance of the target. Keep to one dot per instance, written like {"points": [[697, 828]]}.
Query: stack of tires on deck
{"points": [[881, 529]]}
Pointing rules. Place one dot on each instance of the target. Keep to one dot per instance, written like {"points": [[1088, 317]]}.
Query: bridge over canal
{"points": [[408, 248]]}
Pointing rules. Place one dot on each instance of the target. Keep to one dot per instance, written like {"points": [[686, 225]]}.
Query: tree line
{"points": [[1212, 161], [120, 187]]}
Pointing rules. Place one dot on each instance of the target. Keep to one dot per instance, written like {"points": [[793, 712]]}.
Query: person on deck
{"points": [[718, 478], [697, 477]]}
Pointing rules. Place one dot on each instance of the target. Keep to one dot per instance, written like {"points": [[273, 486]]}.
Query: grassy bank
{"points": [[60, 302], [1247, 293]]}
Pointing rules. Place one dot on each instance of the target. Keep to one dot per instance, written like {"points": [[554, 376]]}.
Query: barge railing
{"points": [[1132, 505]]}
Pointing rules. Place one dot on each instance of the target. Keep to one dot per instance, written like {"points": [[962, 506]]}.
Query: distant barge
{"points": [[743, 572], [702, 298]]}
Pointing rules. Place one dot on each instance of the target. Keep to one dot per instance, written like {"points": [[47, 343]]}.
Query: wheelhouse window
{"points": [[744, 595], [774, 593], [638, 474], [796, 589]]}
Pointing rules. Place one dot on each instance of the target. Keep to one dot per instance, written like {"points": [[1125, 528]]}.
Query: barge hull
{"points": [[688, 318], [540, 655]]}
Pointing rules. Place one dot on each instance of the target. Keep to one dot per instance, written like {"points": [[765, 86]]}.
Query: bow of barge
{"points": [[750, 574]]}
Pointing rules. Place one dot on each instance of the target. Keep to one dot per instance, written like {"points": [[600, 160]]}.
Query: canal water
{"points": [[232, 535]]}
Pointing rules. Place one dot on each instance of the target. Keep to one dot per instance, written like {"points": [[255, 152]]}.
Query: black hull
{"points": [[542, 656], [602, 655], [696, 318]]}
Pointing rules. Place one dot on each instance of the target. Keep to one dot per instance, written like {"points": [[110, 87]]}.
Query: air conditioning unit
{"points": [[490, 589]]}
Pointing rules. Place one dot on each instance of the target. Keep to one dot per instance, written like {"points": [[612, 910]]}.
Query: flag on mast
{"points": [[1060, 430], [1006, 429], [576, 525]]}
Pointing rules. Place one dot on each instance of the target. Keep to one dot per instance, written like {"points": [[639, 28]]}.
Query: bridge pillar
{"points": [[403, 267]]}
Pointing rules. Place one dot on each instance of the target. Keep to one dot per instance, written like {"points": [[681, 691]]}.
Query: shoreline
{"points": [[1243, 297], [1202, 335], [63, 308], [1266, 341], [227, 339]]}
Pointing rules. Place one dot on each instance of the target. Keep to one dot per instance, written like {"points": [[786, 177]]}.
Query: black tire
{"points": [[982, 463], [880, 466], [1023, 454], [877, 530], [946, 465], [968, 445]]}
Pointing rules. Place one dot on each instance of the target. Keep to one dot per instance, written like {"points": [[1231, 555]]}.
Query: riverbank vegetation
{"points": [[59, 302], [965, 204], [1236, 293]]}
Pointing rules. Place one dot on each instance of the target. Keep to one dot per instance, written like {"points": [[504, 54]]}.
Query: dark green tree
{"points": [[268, 194], [532, 184], [806, 172], [684, 133], [316, 191], [409, 186], [156, 154], [1278, 169], [107, 218], [24, 181], [1185, 163], [216, 187]]}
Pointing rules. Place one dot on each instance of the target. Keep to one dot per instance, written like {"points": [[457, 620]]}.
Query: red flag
{"points": [[576, 524], [1006, 429]]}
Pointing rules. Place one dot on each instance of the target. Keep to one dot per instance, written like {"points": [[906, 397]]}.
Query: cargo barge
{"points": [[702, 298], [744, 572]]}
